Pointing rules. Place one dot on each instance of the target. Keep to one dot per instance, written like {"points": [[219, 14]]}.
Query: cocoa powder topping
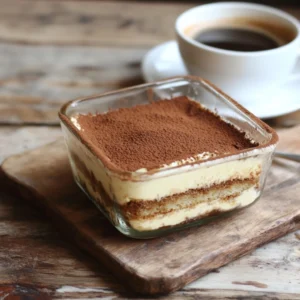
{"points": [[151, 135]]}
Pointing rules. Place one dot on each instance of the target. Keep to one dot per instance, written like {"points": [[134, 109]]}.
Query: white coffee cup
{"points": [[243, 75]]}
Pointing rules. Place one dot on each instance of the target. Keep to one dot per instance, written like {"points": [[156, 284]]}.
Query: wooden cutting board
{"points": [[168, 263]]}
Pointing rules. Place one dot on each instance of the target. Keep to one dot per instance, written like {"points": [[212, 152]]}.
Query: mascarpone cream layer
{"points": [[202, 209], [155, 188], [203, 177], [244, 198]]}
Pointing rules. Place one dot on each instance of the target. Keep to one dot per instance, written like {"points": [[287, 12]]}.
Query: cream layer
{"points": [[205, 206], [186, 201], [155, 188], [202, 209]]}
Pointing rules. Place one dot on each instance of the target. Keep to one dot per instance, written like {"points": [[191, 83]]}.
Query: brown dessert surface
{"points": [[158, 133]]}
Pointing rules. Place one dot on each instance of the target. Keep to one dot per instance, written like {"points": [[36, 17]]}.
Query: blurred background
{"points": [[53, 51]]}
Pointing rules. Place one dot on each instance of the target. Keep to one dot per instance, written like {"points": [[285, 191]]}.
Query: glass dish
{"points": [[238, 178]]}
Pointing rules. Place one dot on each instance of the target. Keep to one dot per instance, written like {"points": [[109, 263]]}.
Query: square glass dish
{"points": [[148, 203]]}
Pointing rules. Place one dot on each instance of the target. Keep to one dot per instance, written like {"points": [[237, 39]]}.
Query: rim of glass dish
{"points": [[114, 169]]}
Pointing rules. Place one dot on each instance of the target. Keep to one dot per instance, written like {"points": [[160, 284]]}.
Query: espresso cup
{"points": [[244, 75]]}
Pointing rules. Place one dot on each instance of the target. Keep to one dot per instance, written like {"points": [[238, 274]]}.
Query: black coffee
{"points": [[236, 39]]}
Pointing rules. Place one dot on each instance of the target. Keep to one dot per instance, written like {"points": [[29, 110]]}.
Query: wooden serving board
{"points": [[168, 263]]}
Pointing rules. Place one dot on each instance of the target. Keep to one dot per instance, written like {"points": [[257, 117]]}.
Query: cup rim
{"points": [[276, 12]]}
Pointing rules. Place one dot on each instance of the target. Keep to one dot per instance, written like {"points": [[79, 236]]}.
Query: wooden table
{"points": [[53, 51]]}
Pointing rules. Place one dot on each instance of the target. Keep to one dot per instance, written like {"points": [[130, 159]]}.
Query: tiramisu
{"points": [[165, 163]]}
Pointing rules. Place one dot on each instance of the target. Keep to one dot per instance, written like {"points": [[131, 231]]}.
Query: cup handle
{"points": [[296, 71]]}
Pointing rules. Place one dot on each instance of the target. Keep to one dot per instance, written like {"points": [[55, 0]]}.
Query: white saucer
{"points": [[164, 61]]}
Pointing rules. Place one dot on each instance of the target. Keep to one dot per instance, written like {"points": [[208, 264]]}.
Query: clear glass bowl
{"points": [[221, 185]]}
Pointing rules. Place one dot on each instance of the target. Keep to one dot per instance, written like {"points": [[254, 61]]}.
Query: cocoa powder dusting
{"points": [[148, 136]]}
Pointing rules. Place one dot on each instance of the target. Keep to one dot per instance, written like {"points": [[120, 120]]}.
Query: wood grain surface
{"points": [[30, 245], [55, 51], [36, 262], [165, 264], [47, 65], [51, 51], [36, 81], [100, 23]]}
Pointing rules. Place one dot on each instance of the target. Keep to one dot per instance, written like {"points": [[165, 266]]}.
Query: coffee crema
{"points": [[236, 39], [241, 33]]}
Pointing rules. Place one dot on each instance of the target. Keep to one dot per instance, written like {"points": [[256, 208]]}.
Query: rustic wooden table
{"points": [[53, 51]]}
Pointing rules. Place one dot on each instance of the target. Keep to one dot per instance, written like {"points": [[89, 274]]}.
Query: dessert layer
{"points": [[187, 200], [123, 191], [160, 133], [240, 180], [177, 209], [199, 211]]}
